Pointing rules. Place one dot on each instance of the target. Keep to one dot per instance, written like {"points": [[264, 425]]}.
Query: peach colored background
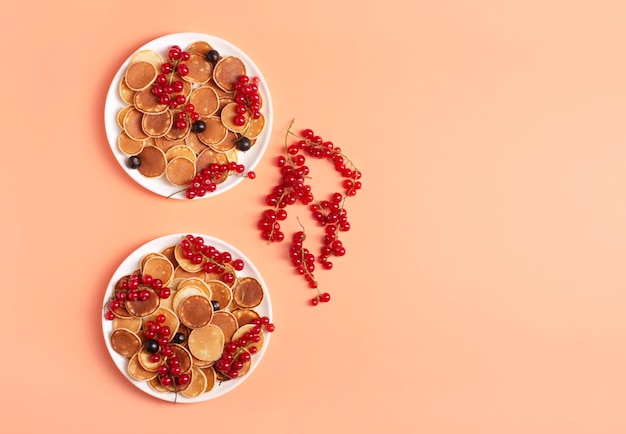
{"points": [[484, 286]]}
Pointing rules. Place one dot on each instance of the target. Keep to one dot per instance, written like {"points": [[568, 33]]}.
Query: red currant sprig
{"points": [[133, 288], [293, 188], [247, 98], [213, 260], [237, 353], [168, 90], [206, 180]]}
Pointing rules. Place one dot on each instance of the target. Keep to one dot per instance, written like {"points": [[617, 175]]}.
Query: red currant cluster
{"points": [[247, 98], [169, 91], [133, 288], [236, 353], [213, 261], [157, 339], [207, 179], [292, 188]]}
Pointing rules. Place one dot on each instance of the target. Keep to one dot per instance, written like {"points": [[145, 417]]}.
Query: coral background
{"points": [[483, 286]]}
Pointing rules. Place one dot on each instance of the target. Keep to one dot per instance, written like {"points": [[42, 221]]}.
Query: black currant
{"points": [[134, 162], [212, 56], [215, 304], [151, 346], [198, 126], [178, 338], [243, 144]]}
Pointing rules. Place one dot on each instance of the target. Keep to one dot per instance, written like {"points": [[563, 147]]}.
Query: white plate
{"points": [[114, 104], [131, 264]]}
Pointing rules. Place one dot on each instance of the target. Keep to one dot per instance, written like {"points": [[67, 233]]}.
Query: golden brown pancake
{"points": [[137, 371], [125, 342], [146, 102], [206, 343], [126, 93], [133, 324], [205, 101], [240, 333], [220, 292], [183, 293], [245, 316], [140, 75], [180, 171], [200, 69], [165, 144], [210, 377], [199, 47], [196, 282], [152, 162], [185, 263], [248, 292], [149, 56], [227, 72], [214, 133], [158, 124], [129, 146], [132, 125], [197, 384], [195, 311], [184, 356], [227, 322], [227, 116], [228, 144], [180, 151], [194, 143], [141, 308]]}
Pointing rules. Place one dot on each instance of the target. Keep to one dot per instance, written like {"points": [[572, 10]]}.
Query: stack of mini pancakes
{"points": [[207, 311], [148, 127]]}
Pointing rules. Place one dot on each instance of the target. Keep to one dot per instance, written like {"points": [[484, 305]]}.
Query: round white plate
{"points": [[131, 264], [114, 104]]}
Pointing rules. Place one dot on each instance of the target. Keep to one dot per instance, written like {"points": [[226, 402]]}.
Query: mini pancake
{"points": [[193, 142], [149, 56], [153, 162], [205, 100], [126, 93], [146, 102], [184, 356], [185, 263], [248, 292], [229, 143], [208, 157], [183, 293], [159, 267], [143, 357], [145, 258], [227, 116], [180, 171], [195, 311], [197, 384], [156, 385], [125, 342], [200, 69], [140, 75], [199, 47], [141, 308], [178, 133], [206, 343], [158, 124], [245, 316], [165, 144], [180, 151], [133, 324], [210, 377], [255, 128], [215, 131], [129, 146], [197, 282], [227, 322], [201, 363], [227, 72], [136, 371], [243, 330], [168, 252], [121, 312], [132, 125], [220, 292], [121, 114]]}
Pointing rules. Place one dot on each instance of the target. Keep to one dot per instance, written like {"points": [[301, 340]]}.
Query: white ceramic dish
{"points": [[114, 104], [131, 264]]}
